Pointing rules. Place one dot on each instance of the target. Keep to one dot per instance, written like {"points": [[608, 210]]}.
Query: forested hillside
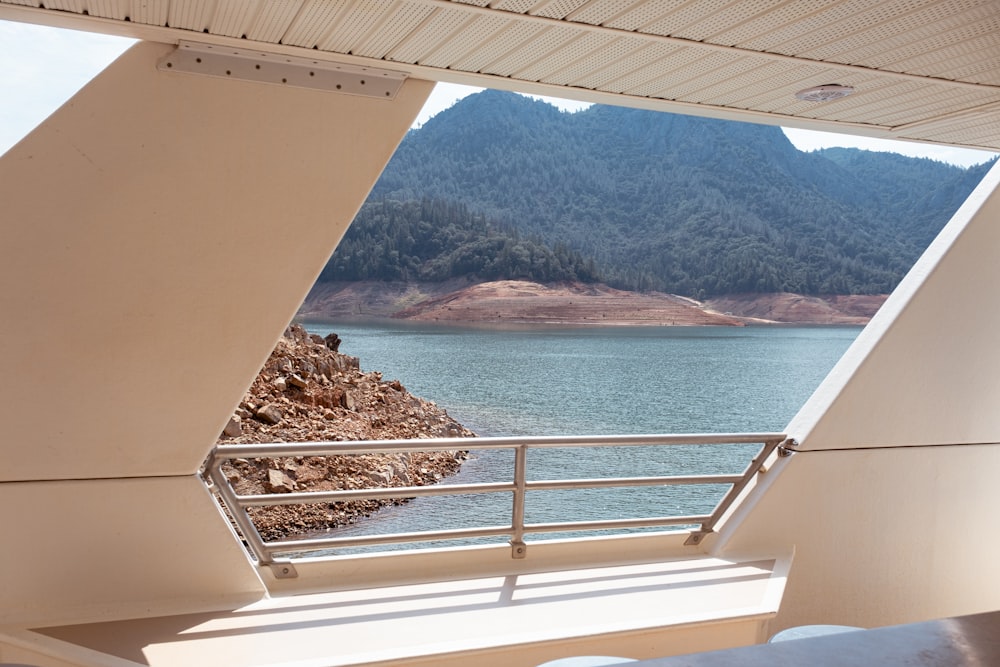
{"points": [[647, 200], [434, 240]]}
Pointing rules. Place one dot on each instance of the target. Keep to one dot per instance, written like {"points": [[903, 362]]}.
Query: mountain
{"points": [[682, 204]]}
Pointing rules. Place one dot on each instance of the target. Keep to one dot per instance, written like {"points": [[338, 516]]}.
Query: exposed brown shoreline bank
{"points": [[523, 303], [309, 392]]}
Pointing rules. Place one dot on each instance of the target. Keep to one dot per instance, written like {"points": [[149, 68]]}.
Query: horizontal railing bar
{"points": [[343, 495], [463, 533], [389, 538], [468, 444], [615, 523], [610, 482]]}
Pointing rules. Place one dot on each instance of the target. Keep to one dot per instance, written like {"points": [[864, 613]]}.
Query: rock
{"points": [[280, 384], [278, 482], [297, 381], [233, 429], [399, 471], [269, 414], [333, 341], [380, 478]]}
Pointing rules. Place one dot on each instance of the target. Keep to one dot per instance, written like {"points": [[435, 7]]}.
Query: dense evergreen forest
{"points": [[434, 240], [503, 186]]}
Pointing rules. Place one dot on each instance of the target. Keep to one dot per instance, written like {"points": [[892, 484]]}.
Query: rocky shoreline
{"points": [[308, 392]]}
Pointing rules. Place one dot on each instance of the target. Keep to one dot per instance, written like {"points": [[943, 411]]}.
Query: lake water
{"points": [[632, 380]]}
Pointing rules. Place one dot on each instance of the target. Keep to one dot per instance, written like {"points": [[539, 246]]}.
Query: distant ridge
{"points": [[680, 204]]}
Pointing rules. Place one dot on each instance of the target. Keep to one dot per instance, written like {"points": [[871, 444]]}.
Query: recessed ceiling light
{"points": [[824, 93]]}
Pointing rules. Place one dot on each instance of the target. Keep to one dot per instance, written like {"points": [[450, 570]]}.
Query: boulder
{"points": [[234, 428], [278, 482], [269, 413]]}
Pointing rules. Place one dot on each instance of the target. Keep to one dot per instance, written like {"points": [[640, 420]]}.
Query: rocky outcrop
{"points": [[306, 392]]}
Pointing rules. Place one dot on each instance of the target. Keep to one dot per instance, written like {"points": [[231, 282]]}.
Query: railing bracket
{"points": [[283, 570], [695, 538], [518, 550], [788, 447]]}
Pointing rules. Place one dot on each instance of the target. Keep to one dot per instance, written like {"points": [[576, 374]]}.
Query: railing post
{"points": [[237, 511], [518, 548], [707, 528]]}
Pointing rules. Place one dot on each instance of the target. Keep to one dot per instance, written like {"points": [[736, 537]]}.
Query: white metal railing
{"points": [[519, 486]]}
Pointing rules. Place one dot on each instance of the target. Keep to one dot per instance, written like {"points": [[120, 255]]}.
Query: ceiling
{"points": [[924, 70]]}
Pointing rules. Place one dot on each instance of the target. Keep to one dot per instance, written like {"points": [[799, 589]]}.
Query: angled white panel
{"points": [[926, 370], [164, 228]]}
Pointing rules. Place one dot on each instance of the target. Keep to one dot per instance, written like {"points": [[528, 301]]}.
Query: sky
{"points": [[41, 67]]}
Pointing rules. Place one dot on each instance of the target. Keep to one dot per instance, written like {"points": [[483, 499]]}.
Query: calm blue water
{"points": [[594, 381]]}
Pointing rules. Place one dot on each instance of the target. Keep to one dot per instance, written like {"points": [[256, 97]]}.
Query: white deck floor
{"points": [[373, 626]]}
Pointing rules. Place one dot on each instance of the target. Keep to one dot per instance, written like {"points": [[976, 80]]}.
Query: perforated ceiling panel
{"points": [[108, 9], [313, 21], [497, 46], [559, 9], [460, 44], [232, 18], [442, 26], [273, 19], [923, 69], [545, 42], [393, 29], [190, 15]]}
